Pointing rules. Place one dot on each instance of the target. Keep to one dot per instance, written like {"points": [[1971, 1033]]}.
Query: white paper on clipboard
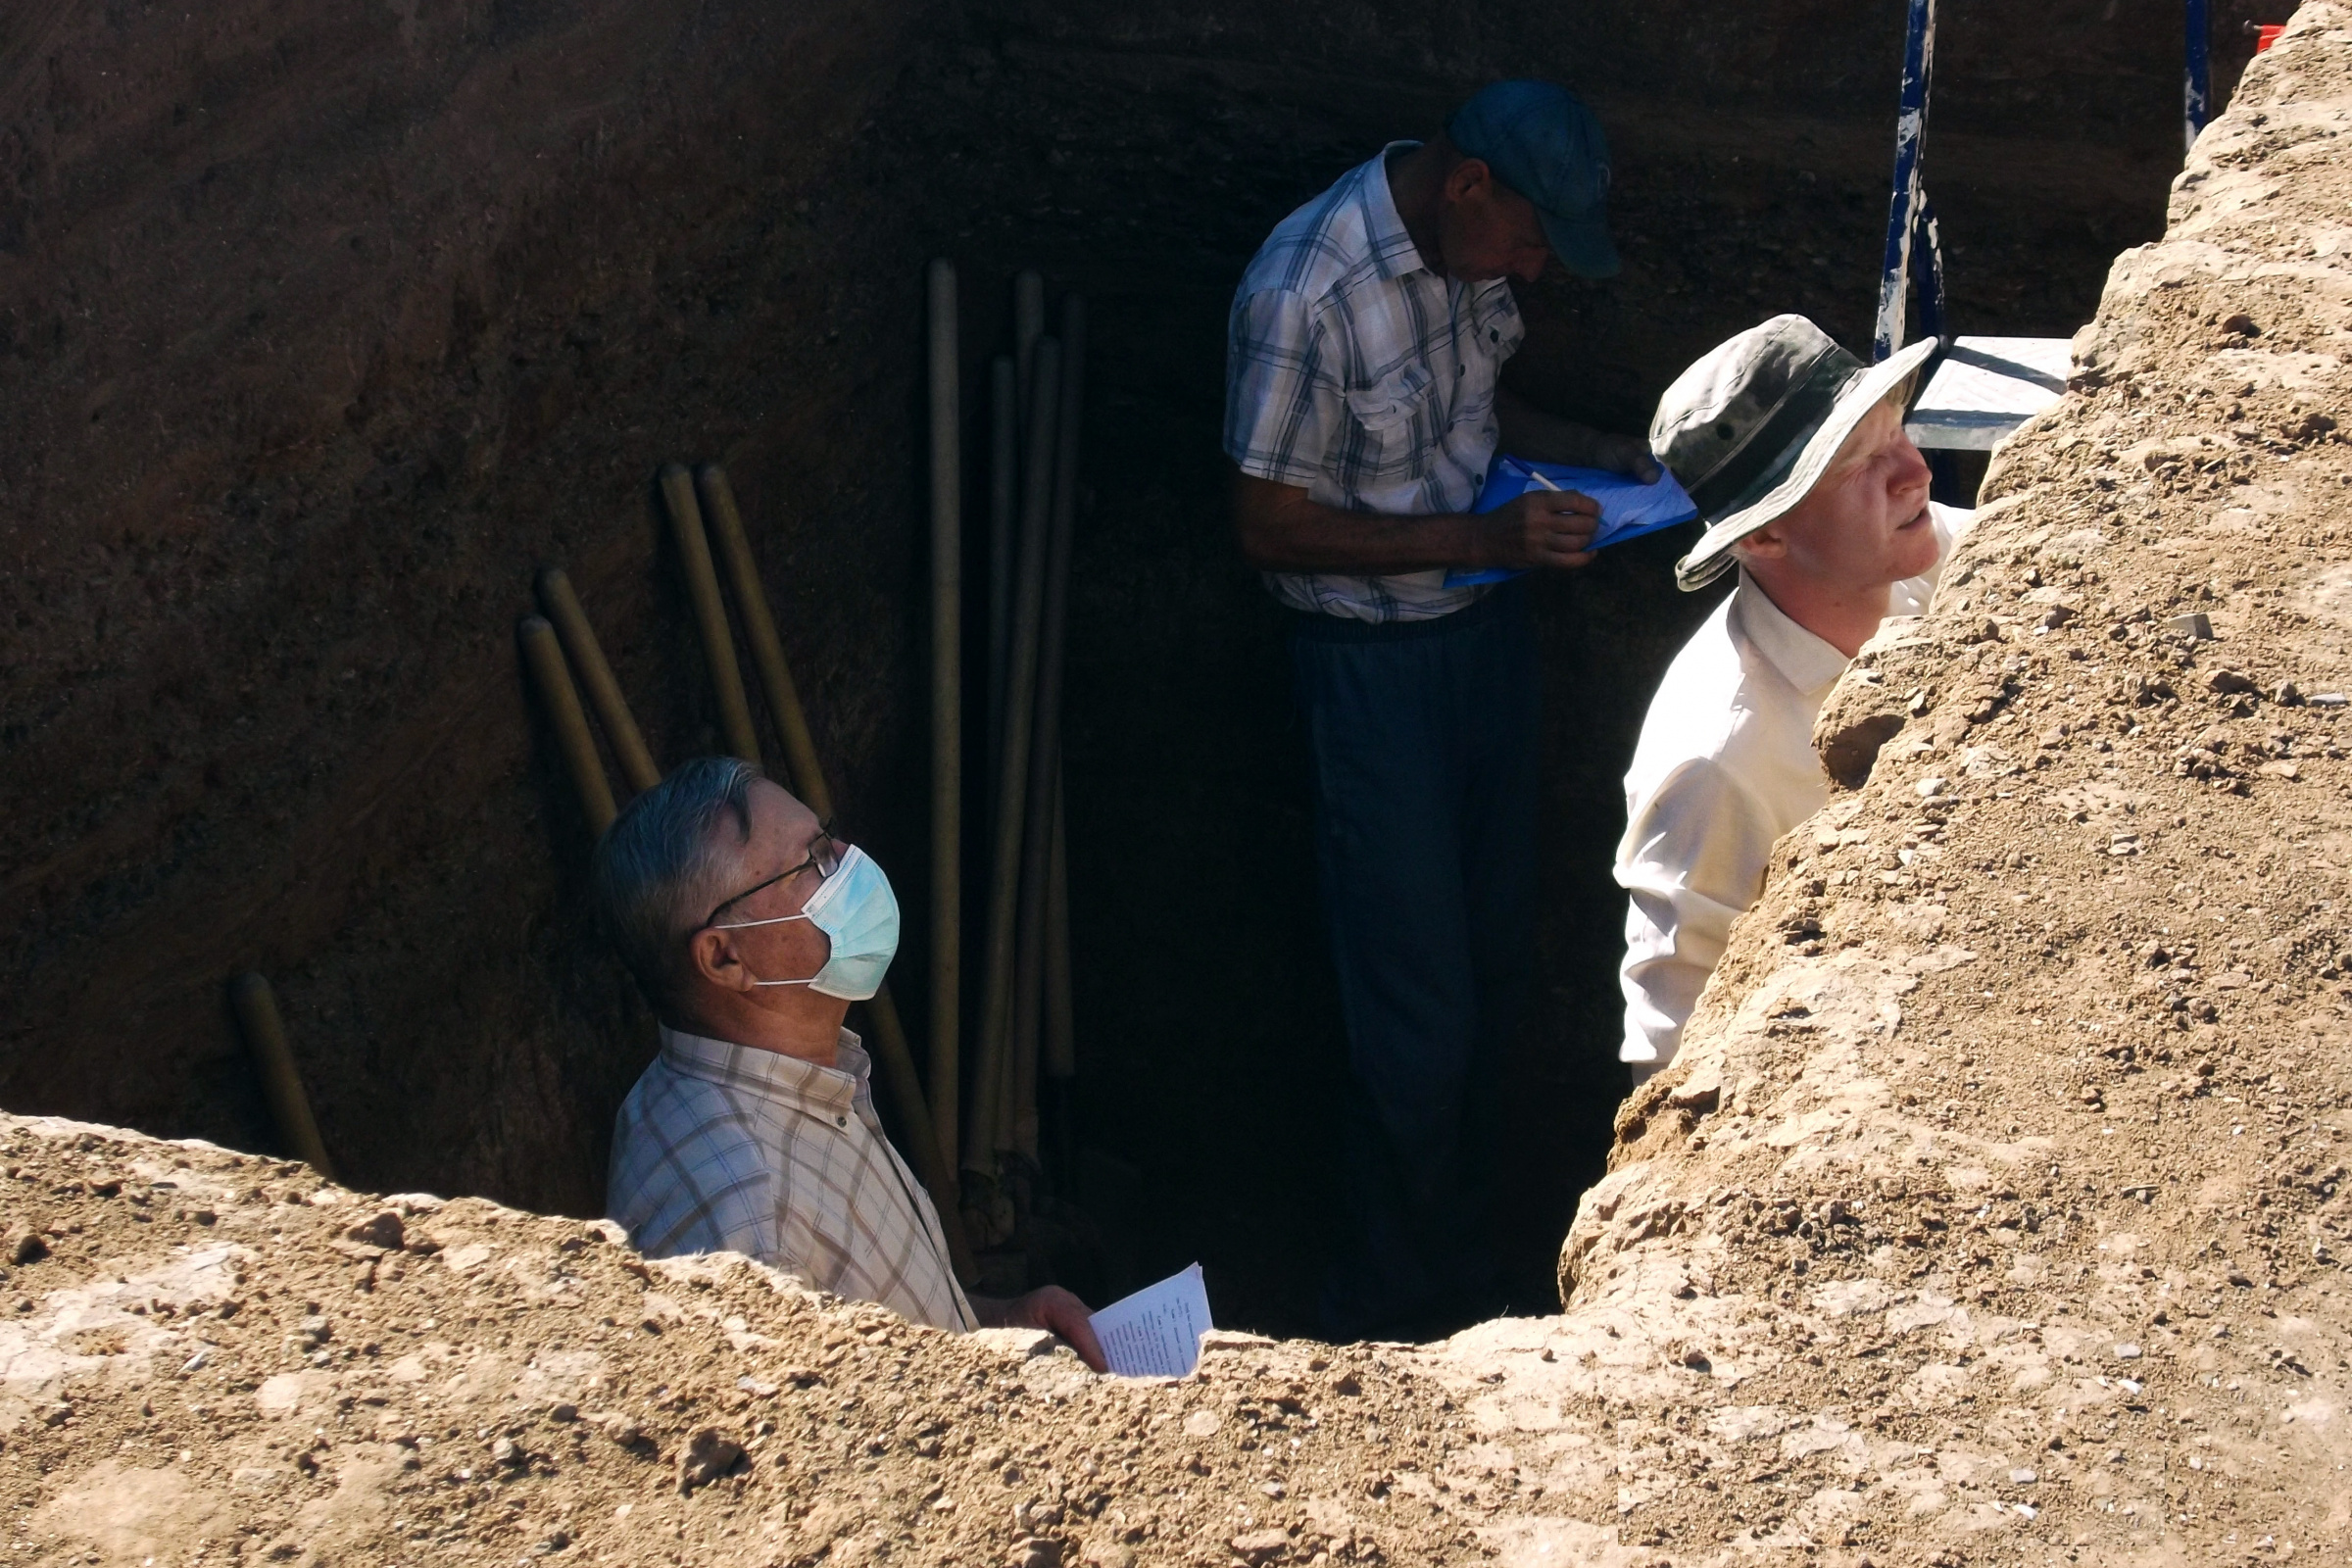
{"points": [[1155, 1332]]}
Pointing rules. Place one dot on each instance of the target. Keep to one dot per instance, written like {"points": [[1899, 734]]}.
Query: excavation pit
{"points": [[308, 380]]}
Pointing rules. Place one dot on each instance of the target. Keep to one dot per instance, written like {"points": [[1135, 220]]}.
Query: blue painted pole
{"points": [[2196, 83], [1911, 126], [1928, 236]]}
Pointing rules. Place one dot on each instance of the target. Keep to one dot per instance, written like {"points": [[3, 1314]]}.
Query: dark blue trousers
{"points": [[1423, 737]]}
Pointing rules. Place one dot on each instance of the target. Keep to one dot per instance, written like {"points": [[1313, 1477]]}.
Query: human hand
{"points": [[1542, 528], [1629, 454], [1057, 1311]]}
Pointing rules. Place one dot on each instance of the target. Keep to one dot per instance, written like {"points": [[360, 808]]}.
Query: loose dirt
{"points": [[1993, 1213]]}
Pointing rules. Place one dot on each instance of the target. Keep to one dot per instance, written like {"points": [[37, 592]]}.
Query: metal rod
{"points": [[587, 656], [1911, 124], [710, 615], [992, 1066], [931, 1166], [1019, 1129], [256, 1007], [768, 649], [1057, 1132], [947, 707], [544, 658], [1061, 1058], [1028, 327], [1016, 1111], [1004, 516]]}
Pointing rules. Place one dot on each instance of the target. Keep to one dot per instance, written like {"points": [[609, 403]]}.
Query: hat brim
{"points": [[1582, 244], [1711, 557]]}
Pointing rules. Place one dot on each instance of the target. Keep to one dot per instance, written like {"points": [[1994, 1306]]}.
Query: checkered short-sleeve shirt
{"points": [[730, 1149], [1356, 371]]}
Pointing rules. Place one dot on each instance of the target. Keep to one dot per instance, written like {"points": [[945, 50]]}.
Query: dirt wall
{"points": [[321, 330]]}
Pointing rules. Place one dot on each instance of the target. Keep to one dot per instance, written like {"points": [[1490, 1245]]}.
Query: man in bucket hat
{"points": [[1795, 452], [1362, 408]]}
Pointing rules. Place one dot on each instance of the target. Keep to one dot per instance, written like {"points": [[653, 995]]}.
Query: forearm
{"points": [[1282, 530]]}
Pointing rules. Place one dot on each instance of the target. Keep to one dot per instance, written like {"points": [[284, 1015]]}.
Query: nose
{"points": [[1911, 473]]}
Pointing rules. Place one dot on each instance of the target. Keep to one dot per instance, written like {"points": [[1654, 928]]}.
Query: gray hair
{"points": [[662, 865]]}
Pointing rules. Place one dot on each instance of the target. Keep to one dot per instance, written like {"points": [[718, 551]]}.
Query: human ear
{"points": [[1767, 543], [711, 954], [1468, 179]]}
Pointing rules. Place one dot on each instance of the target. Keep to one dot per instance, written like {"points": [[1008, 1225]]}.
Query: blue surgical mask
{"points": [[859, 916]]}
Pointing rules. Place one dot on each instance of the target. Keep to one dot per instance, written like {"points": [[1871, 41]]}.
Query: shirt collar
{"points": [[1393, 252], [1805, 660], [831, 1091]]}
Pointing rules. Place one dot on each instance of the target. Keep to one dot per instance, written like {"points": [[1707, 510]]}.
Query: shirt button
{"points": [[840, 1121]]}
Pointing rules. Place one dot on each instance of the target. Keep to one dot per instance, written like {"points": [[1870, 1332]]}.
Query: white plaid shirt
{"points": [[730, 1149], [1356, 371]]}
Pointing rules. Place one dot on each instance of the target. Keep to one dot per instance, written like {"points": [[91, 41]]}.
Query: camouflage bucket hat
{"points": [[1751, 427]]}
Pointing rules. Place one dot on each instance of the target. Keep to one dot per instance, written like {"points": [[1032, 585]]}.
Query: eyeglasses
{"points": [[824, 858]]}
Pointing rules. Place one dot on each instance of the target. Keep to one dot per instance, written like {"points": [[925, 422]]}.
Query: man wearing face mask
{"points": [[1362, 408], [751, 930]]}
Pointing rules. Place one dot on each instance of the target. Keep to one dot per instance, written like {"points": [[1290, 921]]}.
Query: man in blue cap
{"points": [[1362, 408]]}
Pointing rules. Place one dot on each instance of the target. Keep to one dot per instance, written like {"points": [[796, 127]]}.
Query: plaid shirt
{"points": [[1356, 371], [730, 1149]]}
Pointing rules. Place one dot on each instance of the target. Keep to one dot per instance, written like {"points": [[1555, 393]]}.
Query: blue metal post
{"points": [[1911, 124], [2197, 84], [1927, 234]]}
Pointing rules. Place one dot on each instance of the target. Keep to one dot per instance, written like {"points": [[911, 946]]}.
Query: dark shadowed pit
{"points": [[318, 332]]}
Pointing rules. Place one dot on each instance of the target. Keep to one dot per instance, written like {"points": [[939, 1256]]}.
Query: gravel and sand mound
{"points": [[1993, 1213]]}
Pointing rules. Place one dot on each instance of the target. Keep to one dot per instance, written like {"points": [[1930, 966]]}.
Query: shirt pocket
{"points": [[1495, 325], [1389, 405]]}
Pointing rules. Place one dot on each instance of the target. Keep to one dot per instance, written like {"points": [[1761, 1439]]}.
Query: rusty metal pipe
{"points": [[1018, 1128], [767, 648], [587, 656], [1061, 1058], [256, 1008], [1004, 516], [543, 656], [710, 615], [947, 707]]}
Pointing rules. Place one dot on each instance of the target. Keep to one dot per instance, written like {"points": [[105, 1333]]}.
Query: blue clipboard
{"points": [[1629, 509]]}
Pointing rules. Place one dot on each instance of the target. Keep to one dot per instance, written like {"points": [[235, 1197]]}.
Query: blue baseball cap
{"points": [[1541, 140]]}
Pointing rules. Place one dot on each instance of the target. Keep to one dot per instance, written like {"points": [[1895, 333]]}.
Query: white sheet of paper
{"points": [[1155, 1332]]}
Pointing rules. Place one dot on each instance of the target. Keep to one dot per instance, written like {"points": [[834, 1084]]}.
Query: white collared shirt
{"points": [[1355, 372], [1725, 766]]}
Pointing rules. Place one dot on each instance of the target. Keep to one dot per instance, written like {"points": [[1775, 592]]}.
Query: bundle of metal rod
{"points": [[889, 1034], [1025, 1015], [993, 1064]]}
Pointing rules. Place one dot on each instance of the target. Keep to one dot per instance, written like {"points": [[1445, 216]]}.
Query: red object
{"points": [[2267, 36]]}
